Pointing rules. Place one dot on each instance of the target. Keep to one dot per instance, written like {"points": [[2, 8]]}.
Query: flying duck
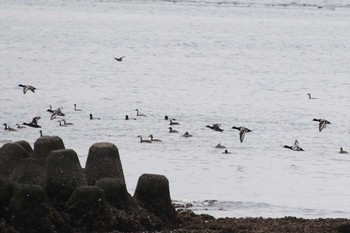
{"points": [[323, 123], [242, 132], [171, 130], [215, 127], [154, 139], [27, 87], [144, 140], [295, 147], [343, 151], [119, 58], [55, 113], [33, 123]]}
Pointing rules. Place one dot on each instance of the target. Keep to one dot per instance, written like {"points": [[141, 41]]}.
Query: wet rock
{"points": [[31, 213], [44, 145], [103, 161], [26, 146], [116, 193], [152, 191], [11, 155], [344, 228], [5, 192], [87, 210], [30, 171], [5, 228], [64, 175]]}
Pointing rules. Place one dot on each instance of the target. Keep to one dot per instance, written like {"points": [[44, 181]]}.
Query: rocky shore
{"points": [[45, 189]]}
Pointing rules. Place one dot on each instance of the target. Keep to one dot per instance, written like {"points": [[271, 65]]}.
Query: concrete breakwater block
{"points": [[87, 209], [30, 171], [47, 190], [64, 175], [6, 189], [30, 211], [152, 191], [103, 161], [11, 155], [116, 193], [26, 146], [44, 145]]}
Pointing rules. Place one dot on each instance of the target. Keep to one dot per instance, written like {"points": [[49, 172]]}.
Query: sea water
{"points": [[243, 63]]}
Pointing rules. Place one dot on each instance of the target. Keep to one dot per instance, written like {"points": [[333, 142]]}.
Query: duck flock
{"points": [[60, 117]]}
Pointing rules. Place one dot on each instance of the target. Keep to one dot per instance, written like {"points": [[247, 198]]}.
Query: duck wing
{"points": [[241, 135], [53, 115], [35, 120], [25, 89], [296, 145], [322, 125]]}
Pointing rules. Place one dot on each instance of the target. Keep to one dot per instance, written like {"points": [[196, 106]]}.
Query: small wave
{"points": [[245, 209]]}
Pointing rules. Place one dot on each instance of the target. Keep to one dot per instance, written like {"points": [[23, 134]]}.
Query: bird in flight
{"points": [[27, 87], [242, 132], [295, 146], [119, 58], [323, 123], [33, 123]]}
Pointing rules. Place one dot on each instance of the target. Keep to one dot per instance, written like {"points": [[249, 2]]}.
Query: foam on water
{"points": [[201, 64]]}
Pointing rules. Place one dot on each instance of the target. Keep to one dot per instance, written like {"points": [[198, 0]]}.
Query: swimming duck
{"points": [[139, 114], [94, 118], [119, 58], [66, 123], [173, 123], [343, 151], [295, 147], [186, 135], [242, 132], [144, 140], [27, 87], [9, 128], [41, 134], [60, 123], [33, 123], [310, 96], [226, 152], [219, 146], [153, 139], [75, 108], [171, 130], [323, 123], [215, 127], [168, 118], [20, 126], [128, 118]]}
